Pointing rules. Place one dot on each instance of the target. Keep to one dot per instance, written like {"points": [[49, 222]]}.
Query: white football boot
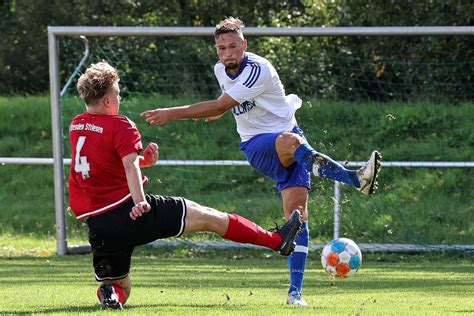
{"points": [[368, 173], [295, 299]]}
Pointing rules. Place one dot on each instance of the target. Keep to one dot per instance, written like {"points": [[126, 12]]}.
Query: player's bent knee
{"points": [[285, 146], [288, 140]]}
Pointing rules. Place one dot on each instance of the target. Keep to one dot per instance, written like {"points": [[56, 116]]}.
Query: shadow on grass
{"points": [[68, 310], [156, 308]]}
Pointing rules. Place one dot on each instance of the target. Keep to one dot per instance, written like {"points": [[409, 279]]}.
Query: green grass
{"points": [[226, 286]]}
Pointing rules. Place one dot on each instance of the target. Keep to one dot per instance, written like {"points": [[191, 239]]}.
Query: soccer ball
{"points": [[341, 258]]}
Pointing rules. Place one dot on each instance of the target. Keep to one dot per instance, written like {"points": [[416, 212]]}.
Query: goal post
{"points": [[56, 32]]}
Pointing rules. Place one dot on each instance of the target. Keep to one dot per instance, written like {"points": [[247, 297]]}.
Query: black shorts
{"points": [[113, 235]]}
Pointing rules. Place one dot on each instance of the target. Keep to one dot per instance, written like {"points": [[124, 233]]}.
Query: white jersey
{"points": [[264, 107]]}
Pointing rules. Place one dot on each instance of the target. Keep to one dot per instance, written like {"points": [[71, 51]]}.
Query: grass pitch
{"points": [[247, 286]]}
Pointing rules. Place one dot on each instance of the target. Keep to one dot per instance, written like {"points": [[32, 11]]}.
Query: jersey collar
{"points": [[242, 67]]}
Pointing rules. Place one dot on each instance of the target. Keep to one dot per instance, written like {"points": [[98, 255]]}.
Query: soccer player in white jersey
{"points": [[270, 137]]}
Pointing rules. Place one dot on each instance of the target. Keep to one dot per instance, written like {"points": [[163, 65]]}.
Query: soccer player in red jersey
{"points": [[106, 190]]}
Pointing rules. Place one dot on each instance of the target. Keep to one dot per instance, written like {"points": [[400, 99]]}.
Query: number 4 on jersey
{"points": [[81, 165]]}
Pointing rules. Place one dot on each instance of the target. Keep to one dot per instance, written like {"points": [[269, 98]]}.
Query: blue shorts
{"points": [[261, 154]]}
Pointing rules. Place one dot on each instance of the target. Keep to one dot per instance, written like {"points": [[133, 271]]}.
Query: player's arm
{"points": [[212, 118], [150, 156], [134, 180], [197, 110]]}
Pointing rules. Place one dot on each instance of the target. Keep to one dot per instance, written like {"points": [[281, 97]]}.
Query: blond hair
{"points": [[96, 81], [229, 25]]}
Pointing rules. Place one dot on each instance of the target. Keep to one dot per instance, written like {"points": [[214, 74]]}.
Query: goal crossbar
{"points": [[261, 31]]}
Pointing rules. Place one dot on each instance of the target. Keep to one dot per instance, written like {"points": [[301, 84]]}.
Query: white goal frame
{"points": [[54, 32]]}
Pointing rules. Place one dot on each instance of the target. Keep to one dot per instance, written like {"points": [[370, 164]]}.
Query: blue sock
{"points": [[306, 156], [297, 260]]}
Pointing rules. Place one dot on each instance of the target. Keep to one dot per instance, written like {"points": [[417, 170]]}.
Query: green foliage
{"points": [[351, 68]]}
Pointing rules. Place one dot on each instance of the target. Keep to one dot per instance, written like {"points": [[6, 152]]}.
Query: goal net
{"points": [[402, 95]]}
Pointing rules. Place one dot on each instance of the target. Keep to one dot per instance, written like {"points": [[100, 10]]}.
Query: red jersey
{"points": [[97, 180]]}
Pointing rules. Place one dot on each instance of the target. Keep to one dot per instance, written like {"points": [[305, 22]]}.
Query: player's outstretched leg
{"points": [[239, 229], [363, 179], [109, 296], [281, 239]]}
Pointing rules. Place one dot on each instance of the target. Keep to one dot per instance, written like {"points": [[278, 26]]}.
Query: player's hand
{"points": [[157, 116], [150, 155], [139, 209]]}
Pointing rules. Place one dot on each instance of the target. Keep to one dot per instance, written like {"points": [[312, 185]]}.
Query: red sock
{"points": [[244, 231], [118, 290]]}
